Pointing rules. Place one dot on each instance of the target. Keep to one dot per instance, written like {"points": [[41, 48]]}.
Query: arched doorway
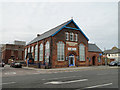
{"points": [[93, 60], [71, 60]]}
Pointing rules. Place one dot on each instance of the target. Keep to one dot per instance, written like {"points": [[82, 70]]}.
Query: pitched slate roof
{"points": [[112, 51], [52, 32], [93, 48]]}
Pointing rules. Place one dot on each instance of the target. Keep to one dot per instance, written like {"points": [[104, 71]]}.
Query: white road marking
{"points": [[107, 73], [99, 85], [61, 78], [103, 74], [8, 83], [10, 73], [59, 82]]}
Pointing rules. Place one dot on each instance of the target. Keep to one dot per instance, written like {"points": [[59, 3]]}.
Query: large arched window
{"points": [[81, 52], [32, 49], [29, 50], [41, 52], [36, 52], [47, 51], [60, 51], [25, 54]]}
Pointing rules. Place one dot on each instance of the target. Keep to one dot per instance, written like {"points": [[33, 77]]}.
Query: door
{"points": [[71, 60], [93, 60]]}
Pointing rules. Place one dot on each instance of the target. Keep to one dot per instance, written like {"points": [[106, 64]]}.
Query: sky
{"points": [[24, 20]]}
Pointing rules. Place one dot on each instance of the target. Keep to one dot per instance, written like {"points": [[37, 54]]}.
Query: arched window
{"points": [[60, 51], [82, 52], [25, 54], [32, 49], [71, 36], [29, 50], [36, 52], [41, 52], [47, 51]]}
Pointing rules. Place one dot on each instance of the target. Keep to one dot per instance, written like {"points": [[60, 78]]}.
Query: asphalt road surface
{"points": [[98, 78]]}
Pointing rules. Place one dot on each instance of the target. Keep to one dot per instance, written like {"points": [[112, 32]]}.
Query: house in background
{"points": [[63, 46], [112, 54], [13, 51]]}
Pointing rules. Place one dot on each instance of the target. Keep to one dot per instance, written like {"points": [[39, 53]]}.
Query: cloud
{"points": [[24, 20]]}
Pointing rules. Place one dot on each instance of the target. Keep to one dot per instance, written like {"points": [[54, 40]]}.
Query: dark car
{"points": [[118, 63], [113, 63], [16, 65]]}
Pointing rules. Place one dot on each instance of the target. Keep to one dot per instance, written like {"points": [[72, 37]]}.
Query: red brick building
{"points": [[63, 46], [13, 51]]}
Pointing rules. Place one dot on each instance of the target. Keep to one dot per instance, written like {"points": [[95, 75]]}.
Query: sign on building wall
{"points": [[72, 49], [71, 43]]}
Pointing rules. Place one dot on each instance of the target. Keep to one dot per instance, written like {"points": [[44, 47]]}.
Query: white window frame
{"points": [[60, 51], [28, 49], [25, 53], [67, 35], [76, 37], [47, 51], [71, 36], [41, 52], [32, 49], [36, 52], [82, 52]]}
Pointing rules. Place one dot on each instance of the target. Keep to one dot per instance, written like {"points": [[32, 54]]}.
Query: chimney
{"points": [[38, 35]]}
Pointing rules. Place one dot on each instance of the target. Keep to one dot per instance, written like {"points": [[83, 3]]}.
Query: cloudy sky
{"points": [[23, 20]]}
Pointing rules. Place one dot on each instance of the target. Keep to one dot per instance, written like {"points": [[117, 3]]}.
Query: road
{"points": [[82, 79]]}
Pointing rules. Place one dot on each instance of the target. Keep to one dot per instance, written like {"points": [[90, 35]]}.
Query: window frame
{"points": [[67, 36], [36, 53], [32, 49], [41, 54], [82, 57], [76, 37], [71, 36], [60, 51], [47, 50]]}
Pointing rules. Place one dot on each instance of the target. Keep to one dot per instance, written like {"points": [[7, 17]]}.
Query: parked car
{"points": [[16, 65], [2, 64], [118, 63], [113, 63]]}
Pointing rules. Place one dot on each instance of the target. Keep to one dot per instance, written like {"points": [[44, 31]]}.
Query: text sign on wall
{"points": [[71, 43], [72, 49]]}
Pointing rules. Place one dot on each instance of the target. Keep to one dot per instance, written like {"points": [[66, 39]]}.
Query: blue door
{"points": [[71, 60]]}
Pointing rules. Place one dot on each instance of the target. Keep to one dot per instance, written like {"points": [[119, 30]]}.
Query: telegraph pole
{"points": [[105, 57]]}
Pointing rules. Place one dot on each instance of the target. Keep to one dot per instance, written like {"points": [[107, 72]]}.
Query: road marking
{"points": [[103, 74], [61, 78], [10, 73], [59, 82], [8, 83], [99, 85]]}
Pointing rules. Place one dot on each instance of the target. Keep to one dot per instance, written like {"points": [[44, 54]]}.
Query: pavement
{"points": [[9, 71]]}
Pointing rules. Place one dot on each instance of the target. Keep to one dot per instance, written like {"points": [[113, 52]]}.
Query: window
{"points": [[32, 49], [67, 36], [60, 51], [41, 52], [82, 52], [25, 53], [47, 51], [76, 37], [29, 50], [71, 37], [99, 59], [36, 52]]}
